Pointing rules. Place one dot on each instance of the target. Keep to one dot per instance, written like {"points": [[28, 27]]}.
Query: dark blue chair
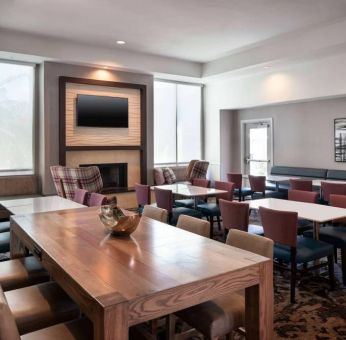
{"points": [[239, 191], [4, 242], [281, 227]]}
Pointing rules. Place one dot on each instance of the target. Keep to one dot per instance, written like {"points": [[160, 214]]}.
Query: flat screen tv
{"points": [[101, 111]]}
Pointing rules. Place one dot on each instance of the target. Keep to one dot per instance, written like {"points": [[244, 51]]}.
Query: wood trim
{"points": [[62, 121]]}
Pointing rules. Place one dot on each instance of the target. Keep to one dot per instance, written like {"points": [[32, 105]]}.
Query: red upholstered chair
{"points": [[329, 188], [80, 196], [335, 233], [301, 184], [281, 227], [239, 191], [303, 196], [189, 203], [96, 200], [164, 200], [235, 215], [211, 210], [142, 195], [258, 188]]}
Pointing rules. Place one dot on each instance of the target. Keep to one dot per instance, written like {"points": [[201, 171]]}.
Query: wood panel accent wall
{"points": [[84, 136], [73, 138]]}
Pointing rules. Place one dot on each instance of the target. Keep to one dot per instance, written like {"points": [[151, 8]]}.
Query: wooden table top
{"points": [[155, 259], [39, 204], [188, 190], [309, 211]]}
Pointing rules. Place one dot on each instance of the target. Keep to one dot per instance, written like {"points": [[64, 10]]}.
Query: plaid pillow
{"points": [[199, 169], [169, 175]]}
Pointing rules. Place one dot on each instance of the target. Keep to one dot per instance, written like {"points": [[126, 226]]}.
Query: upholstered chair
{"points": [[96, 200], [199, 170], [301, 184], [239, 191], [194, 225], [329, 188], [80, 196], [258, 188], [155, 213], [143, 195]]}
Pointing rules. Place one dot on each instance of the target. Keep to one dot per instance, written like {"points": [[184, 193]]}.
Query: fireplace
{"points": [[114, 176]]}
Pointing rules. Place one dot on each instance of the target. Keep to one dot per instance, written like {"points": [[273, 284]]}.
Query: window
{"points": [[16, 117], [177, 122]]}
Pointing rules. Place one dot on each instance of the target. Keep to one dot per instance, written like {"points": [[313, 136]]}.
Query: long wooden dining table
{"points": [[121, 282]]}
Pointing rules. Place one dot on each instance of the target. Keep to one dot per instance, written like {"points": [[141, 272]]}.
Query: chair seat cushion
{"points": [[303, 225], [40, 306], [4, 226], [216, 318], [246, 191], [255, 229], [183, 211], [331, 234], [81, 329], [209, 209], [307, 250], [187, 203], [22, 272], [5, 242]]}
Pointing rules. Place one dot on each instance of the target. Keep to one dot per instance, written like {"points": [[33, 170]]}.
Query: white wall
{"points": [[320, 78]]}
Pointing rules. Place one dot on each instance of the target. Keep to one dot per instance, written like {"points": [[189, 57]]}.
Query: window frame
{"points": [[176, 163], [34, 141]]}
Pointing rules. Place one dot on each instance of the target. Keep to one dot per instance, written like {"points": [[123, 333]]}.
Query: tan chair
{"points": [[194, 225], [219, 317], [155, 213], [75, 330], [22, 272], [40, 306]]}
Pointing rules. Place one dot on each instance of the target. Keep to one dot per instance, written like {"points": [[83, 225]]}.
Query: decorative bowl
{"points": [[117, 222]]}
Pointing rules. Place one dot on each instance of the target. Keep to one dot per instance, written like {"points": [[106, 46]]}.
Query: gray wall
{"points": [[49, 111], [303, 133]]}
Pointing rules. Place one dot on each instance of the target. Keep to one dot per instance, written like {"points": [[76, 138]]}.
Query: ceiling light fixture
{"points": [[121, 42]]}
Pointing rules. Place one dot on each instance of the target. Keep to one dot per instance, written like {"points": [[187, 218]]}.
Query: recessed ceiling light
{"points": [[121, 42]]}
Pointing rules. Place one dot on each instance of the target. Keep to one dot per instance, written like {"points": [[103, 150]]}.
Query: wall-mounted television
{"points": [[102, 111]]}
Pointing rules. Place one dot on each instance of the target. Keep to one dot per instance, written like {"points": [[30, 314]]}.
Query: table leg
{"points": [[195, 204], [260, 305], [111, 323], [17, 248], [316, 230]]}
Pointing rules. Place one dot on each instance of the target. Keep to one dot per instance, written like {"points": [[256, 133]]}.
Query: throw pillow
{"points": [[169, 175]]}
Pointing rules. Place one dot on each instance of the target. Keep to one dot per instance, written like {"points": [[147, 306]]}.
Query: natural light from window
{"points": [[177, 122], [16, 117]]}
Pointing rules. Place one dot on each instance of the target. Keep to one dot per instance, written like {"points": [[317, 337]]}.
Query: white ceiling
{"points": [[196, 30]]}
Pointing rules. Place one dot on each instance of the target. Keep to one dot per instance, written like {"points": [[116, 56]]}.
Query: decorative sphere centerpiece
{"points": [[116, 222]]}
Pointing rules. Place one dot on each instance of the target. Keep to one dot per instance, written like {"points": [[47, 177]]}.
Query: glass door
{"points": [[257, 148]]}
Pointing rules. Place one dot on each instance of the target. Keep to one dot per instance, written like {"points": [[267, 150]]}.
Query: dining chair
{"points": [[235, 215], [258, 188], [194, 225], [142, 195], [300, 184], [155, 213], [328, 188], [80, 196], [21, 272], [189, 203], [96, 200], [220, 317], [39, 306], [212, 209], [164, 200], [239, 191], [281, 227], [80, 329], [199, 170], [307, 197], [335, 233]]}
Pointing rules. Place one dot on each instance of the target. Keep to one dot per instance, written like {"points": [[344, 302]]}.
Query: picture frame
{"points": [[340, 139]]}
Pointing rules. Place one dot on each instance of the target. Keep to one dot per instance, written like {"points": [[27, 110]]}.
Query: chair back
{"points": [[227, 186], [201, 182], [96, 200], [189, 169], [332, 188], [155, 213], [235, 215], [340, 202], [237, 179], [80, 196], [257, 183], [251, 242], [199, 170], [302, 196], [164, 199], [301, 184], [280, 226], [142, 194], [67, 180], [8, 327], [194, 225]]}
